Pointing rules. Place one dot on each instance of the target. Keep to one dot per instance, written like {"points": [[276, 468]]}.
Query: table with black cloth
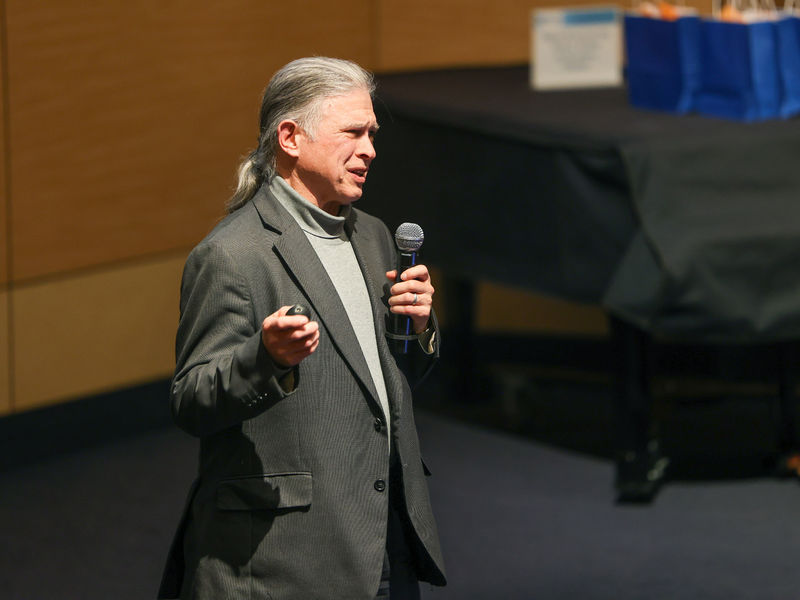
{"points": [[679, 226]]}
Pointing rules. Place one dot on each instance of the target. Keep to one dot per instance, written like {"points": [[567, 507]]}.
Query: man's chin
{"points": [[354, 196]]}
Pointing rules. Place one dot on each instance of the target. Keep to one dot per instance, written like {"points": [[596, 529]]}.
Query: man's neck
{"points": [[297, 184], [312, 219]]}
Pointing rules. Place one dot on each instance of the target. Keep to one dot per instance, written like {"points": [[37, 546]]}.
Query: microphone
{"points": [[408, 238]]}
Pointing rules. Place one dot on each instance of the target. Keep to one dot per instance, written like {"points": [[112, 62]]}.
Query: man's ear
{"points": [[288, 132]]}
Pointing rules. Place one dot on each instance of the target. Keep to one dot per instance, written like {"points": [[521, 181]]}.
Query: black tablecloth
{"points": [[684, 226]]}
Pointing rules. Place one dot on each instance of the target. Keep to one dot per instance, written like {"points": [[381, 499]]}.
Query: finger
{"points": [[306, 332], [415, 276], [412, 287], [410, 299], [411, 310], [296, 355], [279, 341], [289, 339], [312, 342], [279, 321], [419, 272], [272, 322], [411, 304]]}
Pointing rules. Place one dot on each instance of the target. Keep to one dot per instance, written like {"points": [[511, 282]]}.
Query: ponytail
{"points": [[251, 176]]}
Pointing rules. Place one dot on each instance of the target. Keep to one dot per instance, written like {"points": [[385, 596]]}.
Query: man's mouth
{"points": [[360, 174]]}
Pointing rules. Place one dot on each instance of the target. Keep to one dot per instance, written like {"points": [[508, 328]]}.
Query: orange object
{"points": [[668, 11], [730, 14], [793, 464]]}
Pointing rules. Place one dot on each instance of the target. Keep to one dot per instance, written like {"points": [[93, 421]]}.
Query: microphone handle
{"points": [[402, 324]]}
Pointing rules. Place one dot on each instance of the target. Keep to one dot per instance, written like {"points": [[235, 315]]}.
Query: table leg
{"points": [[458, 340], [639, 464]]}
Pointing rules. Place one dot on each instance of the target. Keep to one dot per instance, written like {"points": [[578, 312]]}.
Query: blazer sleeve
{"points": [[223, 373], [419, 363]]}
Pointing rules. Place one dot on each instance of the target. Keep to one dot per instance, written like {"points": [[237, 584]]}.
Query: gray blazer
{"points": [[292, 495]]}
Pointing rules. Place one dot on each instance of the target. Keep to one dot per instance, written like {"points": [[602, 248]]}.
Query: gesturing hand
{"points": [[412, 296], [289, 339]]}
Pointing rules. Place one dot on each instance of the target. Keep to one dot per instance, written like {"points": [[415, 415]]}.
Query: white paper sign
{"points": [[576, 47]]}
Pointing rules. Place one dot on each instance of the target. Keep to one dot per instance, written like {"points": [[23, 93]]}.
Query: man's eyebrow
{"points": [[373, 127]]}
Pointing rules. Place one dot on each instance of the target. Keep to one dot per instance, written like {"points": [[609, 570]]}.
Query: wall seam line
{"points": [[4, 62], [140, 260], [377, 35]]}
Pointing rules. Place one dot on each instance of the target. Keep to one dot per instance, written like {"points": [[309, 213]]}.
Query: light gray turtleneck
{"points": [[326, 234]]}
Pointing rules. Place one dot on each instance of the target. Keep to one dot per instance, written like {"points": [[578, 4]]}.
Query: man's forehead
{"points": [[355, 106]]}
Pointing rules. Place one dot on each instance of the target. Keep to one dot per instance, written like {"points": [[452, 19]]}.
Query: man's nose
{"points": [[366, 148]]}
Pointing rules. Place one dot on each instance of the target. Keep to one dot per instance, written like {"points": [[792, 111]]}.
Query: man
{"points": [[311, 484]]}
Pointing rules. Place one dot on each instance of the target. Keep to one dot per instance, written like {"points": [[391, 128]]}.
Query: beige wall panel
{"points": [[502, 309], [416, 34], [128, 118], [434, 33], [4, 242], [5, 391], [99, 331]]}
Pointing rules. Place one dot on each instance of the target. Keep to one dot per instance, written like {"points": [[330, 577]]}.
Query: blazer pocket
{"points": [[270, 491]]}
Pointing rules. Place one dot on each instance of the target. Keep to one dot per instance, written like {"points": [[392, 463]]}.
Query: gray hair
{"points": [[296, 93]]}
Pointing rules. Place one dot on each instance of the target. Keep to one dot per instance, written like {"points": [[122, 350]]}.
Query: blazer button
{"points": [[380, 485], [378, 424]]}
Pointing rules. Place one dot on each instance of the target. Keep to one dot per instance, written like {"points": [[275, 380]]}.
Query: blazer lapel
{"points": [[374, 271], [302, 262]]}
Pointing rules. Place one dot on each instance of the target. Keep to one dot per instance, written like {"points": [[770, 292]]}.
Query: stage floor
{"points": [[523, 514]]}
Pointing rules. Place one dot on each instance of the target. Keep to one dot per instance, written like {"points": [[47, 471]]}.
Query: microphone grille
{"points": [[409, 237]]}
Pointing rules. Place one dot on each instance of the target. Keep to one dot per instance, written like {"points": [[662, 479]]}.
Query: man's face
{"points": [[331, 168]]}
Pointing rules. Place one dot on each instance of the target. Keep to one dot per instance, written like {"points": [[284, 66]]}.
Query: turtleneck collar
{"points": [[312, 219]]}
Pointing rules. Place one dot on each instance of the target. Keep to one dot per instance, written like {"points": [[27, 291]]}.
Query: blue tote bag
{"points": [[788, 40], [739, 76], [663, 62]]}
